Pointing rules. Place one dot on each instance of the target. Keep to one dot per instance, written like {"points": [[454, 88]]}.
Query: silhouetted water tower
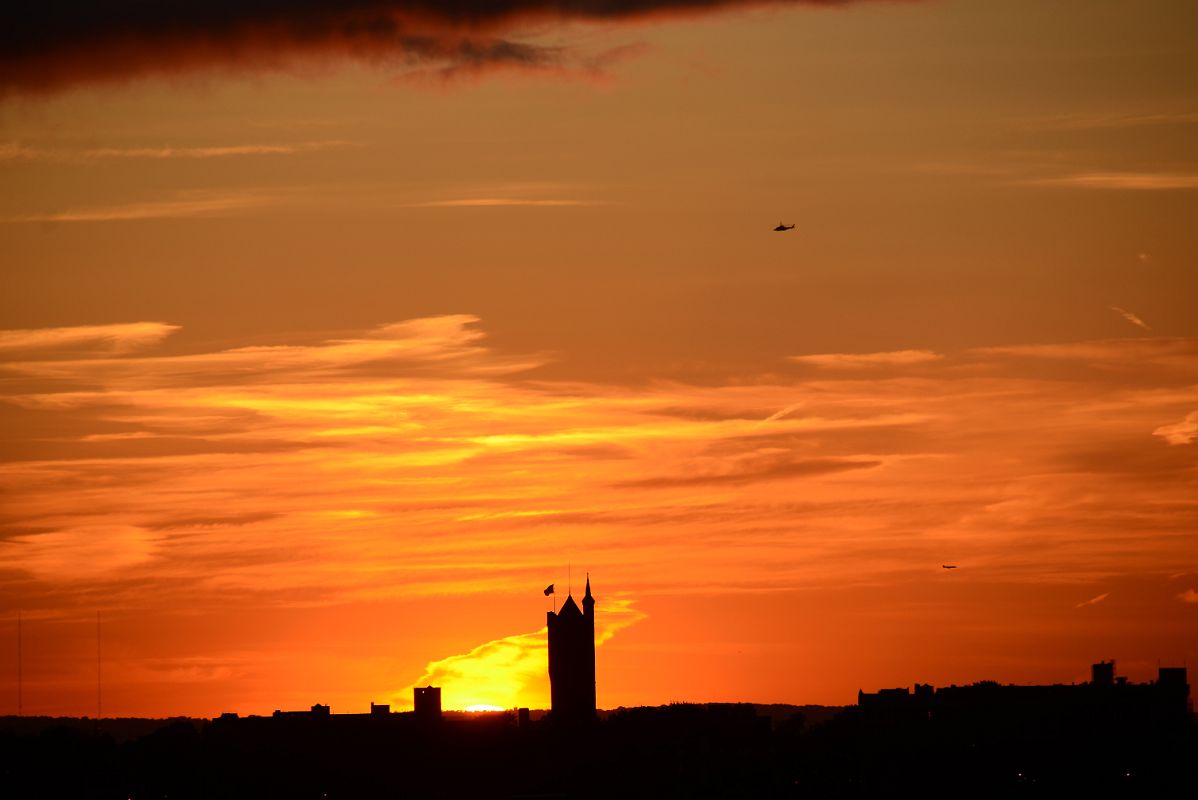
{"points": [[572, 658]]}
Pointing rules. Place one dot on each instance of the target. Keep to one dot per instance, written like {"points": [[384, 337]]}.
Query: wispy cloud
{"points": [[188, 206], [84, 552], [498, 202], [1093, 600], [1183, 432], [1117, 120], [782, 412], [892, 358], [753, 469], [1159, 351], [1132, 318], [118, 338], [1188, 596], [15, 151], [447, 345], [563, 63], [1130, 181]]}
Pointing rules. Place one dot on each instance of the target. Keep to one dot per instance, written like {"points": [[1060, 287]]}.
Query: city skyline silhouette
{"points": [[570, 668], [1105, 735], [848, 345]]}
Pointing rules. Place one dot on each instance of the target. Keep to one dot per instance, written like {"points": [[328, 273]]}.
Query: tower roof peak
{"points": [[570, 608]]}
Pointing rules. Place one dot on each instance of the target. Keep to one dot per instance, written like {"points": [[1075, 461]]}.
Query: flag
{"points": [[549, 590]]}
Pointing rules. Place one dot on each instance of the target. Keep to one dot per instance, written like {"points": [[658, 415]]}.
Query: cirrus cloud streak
{"points": [[392, 462], [413, 463]]}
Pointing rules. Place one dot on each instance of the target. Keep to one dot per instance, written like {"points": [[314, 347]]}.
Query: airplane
{"points": [[949, 566], [782, 227]]}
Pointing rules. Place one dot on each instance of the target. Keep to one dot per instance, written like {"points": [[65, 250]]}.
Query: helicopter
{"points": [[782, 227]]}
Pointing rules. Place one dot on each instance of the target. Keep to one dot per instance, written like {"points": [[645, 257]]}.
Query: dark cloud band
{"points": [[52, 44]]}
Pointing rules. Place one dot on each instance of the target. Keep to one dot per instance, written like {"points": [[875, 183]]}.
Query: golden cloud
{"points": [[511, 672]]}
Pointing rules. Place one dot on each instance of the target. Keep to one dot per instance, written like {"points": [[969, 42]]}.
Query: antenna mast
{"points": [[20, 671], [99, 704]]}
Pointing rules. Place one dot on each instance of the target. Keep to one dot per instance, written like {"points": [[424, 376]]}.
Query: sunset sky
{"points": [[331, 333]]}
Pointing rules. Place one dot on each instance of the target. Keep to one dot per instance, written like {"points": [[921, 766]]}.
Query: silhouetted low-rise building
{"points": [[317, 710]]}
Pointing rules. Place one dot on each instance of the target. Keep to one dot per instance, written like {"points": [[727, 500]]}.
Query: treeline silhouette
{"points": [[679, 750]]}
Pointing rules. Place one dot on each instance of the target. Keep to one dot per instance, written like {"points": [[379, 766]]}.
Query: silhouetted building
{"points": [[380, 709], [1173, 689], [1106, 700], [427, 702], [318, 710], [1172, 677], [572, 658], [1103, 673]]}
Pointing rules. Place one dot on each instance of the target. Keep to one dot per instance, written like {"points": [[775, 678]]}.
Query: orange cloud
{"points": [[82, 552], [1184, 432], [414, 461], [395, 462], [894, 358], [750, 469]]}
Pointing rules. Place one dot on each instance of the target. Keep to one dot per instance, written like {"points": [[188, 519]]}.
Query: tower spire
{"points": [[588, 605]]}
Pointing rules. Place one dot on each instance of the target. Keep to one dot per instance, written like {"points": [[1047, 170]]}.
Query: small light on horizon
{"points": [[481, 707]]}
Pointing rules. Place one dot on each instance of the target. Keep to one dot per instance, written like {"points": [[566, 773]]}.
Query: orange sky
{"points": [[315, 367]]}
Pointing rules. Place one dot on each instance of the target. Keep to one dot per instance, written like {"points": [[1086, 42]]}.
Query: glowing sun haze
{"points": [[322, 355]]}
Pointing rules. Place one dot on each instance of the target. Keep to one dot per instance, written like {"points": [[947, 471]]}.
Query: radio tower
{"points": [[20, 673], [99, 704]]}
